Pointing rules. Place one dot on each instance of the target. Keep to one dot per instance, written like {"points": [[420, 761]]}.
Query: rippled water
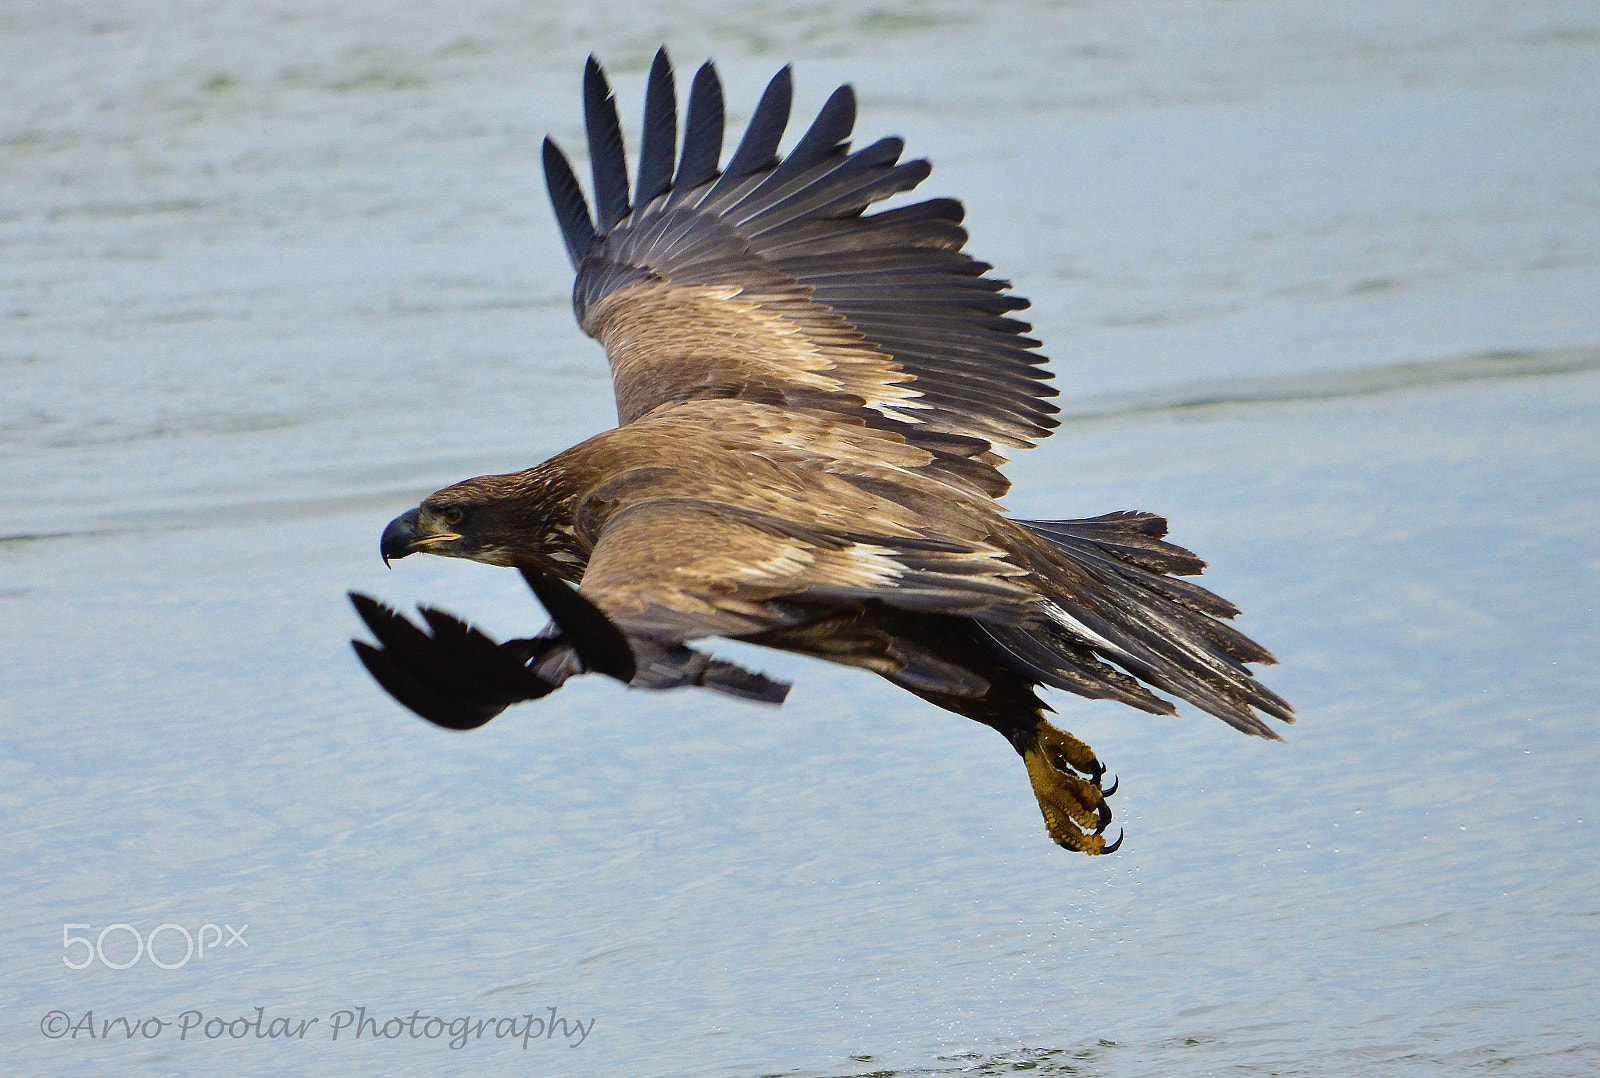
{"points": [[1320, 284]]}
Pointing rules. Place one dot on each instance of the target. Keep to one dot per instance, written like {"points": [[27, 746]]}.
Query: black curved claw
{"points": [[1115, 846], [457, 677], [1115, 782], [1104, 811], [1096, 770]]}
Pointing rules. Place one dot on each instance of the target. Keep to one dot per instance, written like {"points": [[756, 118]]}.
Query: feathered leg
{"points": [[1064, 772], [952, 664]]}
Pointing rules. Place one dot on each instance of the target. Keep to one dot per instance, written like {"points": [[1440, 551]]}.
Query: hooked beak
{"points": [[406, 534]]}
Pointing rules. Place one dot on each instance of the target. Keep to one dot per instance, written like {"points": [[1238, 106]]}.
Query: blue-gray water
{"points": [[1321, 283]]}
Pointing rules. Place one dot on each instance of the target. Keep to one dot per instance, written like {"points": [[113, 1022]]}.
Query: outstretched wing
{"points": [[454, 676], [766, 281]]}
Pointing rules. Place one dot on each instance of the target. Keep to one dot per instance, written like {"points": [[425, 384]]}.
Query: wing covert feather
{"points": [[680, 568]]}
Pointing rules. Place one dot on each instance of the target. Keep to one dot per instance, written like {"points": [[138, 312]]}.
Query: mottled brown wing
{"points": [[765, 281], [680, 568]]}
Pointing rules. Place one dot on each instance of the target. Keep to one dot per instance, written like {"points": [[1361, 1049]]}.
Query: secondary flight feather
{"points": [[812, 402]]}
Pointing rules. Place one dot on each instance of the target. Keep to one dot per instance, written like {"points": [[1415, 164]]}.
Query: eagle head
{"points": [[509, 520]]}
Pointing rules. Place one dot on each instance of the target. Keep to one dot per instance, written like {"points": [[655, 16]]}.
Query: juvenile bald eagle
{"points": [[811, 400]]}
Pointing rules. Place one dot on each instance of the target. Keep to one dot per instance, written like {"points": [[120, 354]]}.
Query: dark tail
{"points": [[1114, 596]]}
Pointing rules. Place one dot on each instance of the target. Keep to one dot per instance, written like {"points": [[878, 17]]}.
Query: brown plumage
{"points": [[811, 402]]}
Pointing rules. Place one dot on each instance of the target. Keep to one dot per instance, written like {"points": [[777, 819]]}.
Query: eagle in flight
{"points": [[812, 403]]}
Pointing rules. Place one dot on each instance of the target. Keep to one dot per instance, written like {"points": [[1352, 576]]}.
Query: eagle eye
{"points": [[452, 514]]}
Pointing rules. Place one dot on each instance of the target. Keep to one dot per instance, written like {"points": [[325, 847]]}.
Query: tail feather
{"points": [[1131, 536], [1052, 658], [1110, 594]]}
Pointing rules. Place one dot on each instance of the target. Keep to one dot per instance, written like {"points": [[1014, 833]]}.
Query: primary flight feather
{"points": [[811, 402]]}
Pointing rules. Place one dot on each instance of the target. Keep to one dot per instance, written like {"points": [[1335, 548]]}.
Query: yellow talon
{"points": [[1074, 808], [1066, 752]]}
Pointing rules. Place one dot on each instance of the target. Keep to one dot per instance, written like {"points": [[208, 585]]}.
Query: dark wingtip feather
{"points": [[826, 138], [392, 629], [758, 149], [606, 155], [599, 644], [572, 210], [412, 693], [702, 131], [734, 680], [457, 678], [659, 143]]}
